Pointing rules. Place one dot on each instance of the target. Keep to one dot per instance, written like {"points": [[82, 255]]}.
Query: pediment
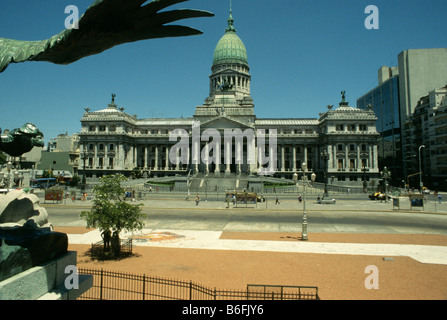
{"points": [[224, 122]]}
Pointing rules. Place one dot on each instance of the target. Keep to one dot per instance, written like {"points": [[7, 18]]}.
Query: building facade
{"points": [[340, 145], [426, 138], [395, 100], [384, 101]]}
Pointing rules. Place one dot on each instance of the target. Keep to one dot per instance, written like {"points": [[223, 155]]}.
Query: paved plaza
{"points": [[201, 226]]}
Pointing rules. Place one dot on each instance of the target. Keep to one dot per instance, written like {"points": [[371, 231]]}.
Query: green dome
{"points": [[230, 48]]}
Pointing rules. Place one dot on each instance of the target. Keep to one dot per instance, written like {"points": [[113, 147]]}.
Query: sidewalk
{"points": [[174, 201], [410, 266], [211, 240]]}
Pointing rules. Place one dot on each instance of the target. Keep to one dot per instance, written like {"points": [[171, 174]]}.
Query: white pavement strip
{"points": [[195, 239]]}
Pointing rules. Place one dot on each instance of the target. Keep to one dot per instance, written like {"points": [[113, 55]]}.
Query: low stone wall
{"points": [[47, 281]]}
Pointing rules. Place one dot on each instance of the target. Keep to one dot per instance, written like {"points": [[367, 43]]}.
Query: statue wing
{"points": [[105, 24]]}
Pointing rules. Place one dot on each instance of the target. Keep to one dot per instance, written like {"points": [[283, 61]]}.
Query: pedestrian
{"points": [[439, 198], [277, 200], [197, 199], [318, 199], [300, 198]]}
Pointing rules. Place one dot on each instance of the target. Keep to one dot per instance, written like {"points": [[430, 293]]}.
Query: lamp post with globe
{"points": [[305, 182]]}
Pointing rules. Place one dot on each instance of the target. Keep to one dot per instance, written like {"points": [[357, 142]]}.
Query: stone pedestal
{"points": [[47, 281]]}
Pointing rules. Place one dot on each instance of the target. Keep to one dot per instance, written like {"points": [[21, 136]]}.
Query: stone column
{"points": [[305, 154], [120, 157], [294, 158], [207, 158], [145, 157], [283, 168], [167, 158], [359, 163], [227, 157], [374, 156], [196, 155], [156, 158], [346, 155], [217, 157]]}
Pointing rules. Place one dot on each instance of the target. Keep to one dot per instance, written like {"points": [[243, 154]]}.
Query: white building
{"points": [[340, 145]]}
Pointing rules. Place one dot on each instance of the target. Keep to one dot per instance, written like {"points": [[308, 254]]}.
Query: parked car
{"points": [[378, 196]]}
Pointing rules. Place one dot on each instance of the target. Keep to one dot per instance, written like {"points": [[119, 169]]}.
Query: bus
{"points": [[43, 183]]}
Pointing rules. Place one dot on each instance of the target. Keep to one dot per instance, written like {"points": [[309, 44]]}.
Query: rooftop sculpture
{"points": [[21, 140]]}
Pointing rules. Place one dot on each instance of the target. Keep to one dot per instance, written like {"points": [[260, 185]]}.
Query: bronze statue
{"points": [[21, 140], [105, 24]]}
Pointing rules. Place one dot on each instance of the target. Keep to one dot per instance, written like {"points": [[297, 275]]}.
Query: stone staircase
{"points": [[211, 183]]}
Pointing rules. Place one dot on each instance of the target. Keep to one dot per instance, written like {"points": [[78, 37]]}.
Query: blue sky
{"points": [[302, 53]]}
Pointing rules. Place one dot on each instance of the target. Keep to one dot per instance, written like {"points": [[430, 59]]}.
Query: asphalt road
{"points": [[214, 216]]}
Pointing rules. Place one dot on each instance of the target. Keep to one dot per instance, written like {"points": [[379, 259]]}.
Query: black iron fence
{"points": [[110, 285]]}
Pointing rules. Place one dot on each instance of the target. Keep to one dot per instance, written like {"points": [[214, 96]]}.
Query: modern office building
{"points": [[394, 101], [420, 71], [384, 100]]}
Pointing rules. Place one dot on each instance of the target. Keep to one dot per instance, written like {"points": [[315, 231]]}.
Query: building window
{"points": [[102, 128], [111, 147], [110, 163], [101, 146], [340, 164], [351, 147], [91, 147], [362, 127], [339, 127], [363, 163], [340, 147], [92, 128], [351, 127]]}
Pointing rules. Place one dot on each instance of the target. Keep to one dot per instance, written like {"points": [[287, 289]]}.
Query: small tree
{"points": [[111, 214]]}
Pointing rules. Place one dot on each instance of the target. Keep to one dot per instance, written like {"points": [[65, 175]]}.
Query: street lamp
{"points": [[420, 168], [386, 174], [305, 182]]}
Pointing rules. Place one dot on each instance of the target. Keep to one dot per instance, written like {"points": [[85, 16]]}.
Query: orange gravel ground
{"points": [[336, 276]]}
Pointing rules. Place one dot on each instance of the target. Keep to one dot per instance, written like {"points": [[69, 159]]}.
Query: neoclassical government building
{"points": [[339, 146]]}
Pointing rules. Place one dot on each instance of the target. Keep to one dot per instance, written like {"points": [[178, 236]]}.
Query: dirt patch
{"points": [[420, 239], [337, 276], [72, 230]]}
